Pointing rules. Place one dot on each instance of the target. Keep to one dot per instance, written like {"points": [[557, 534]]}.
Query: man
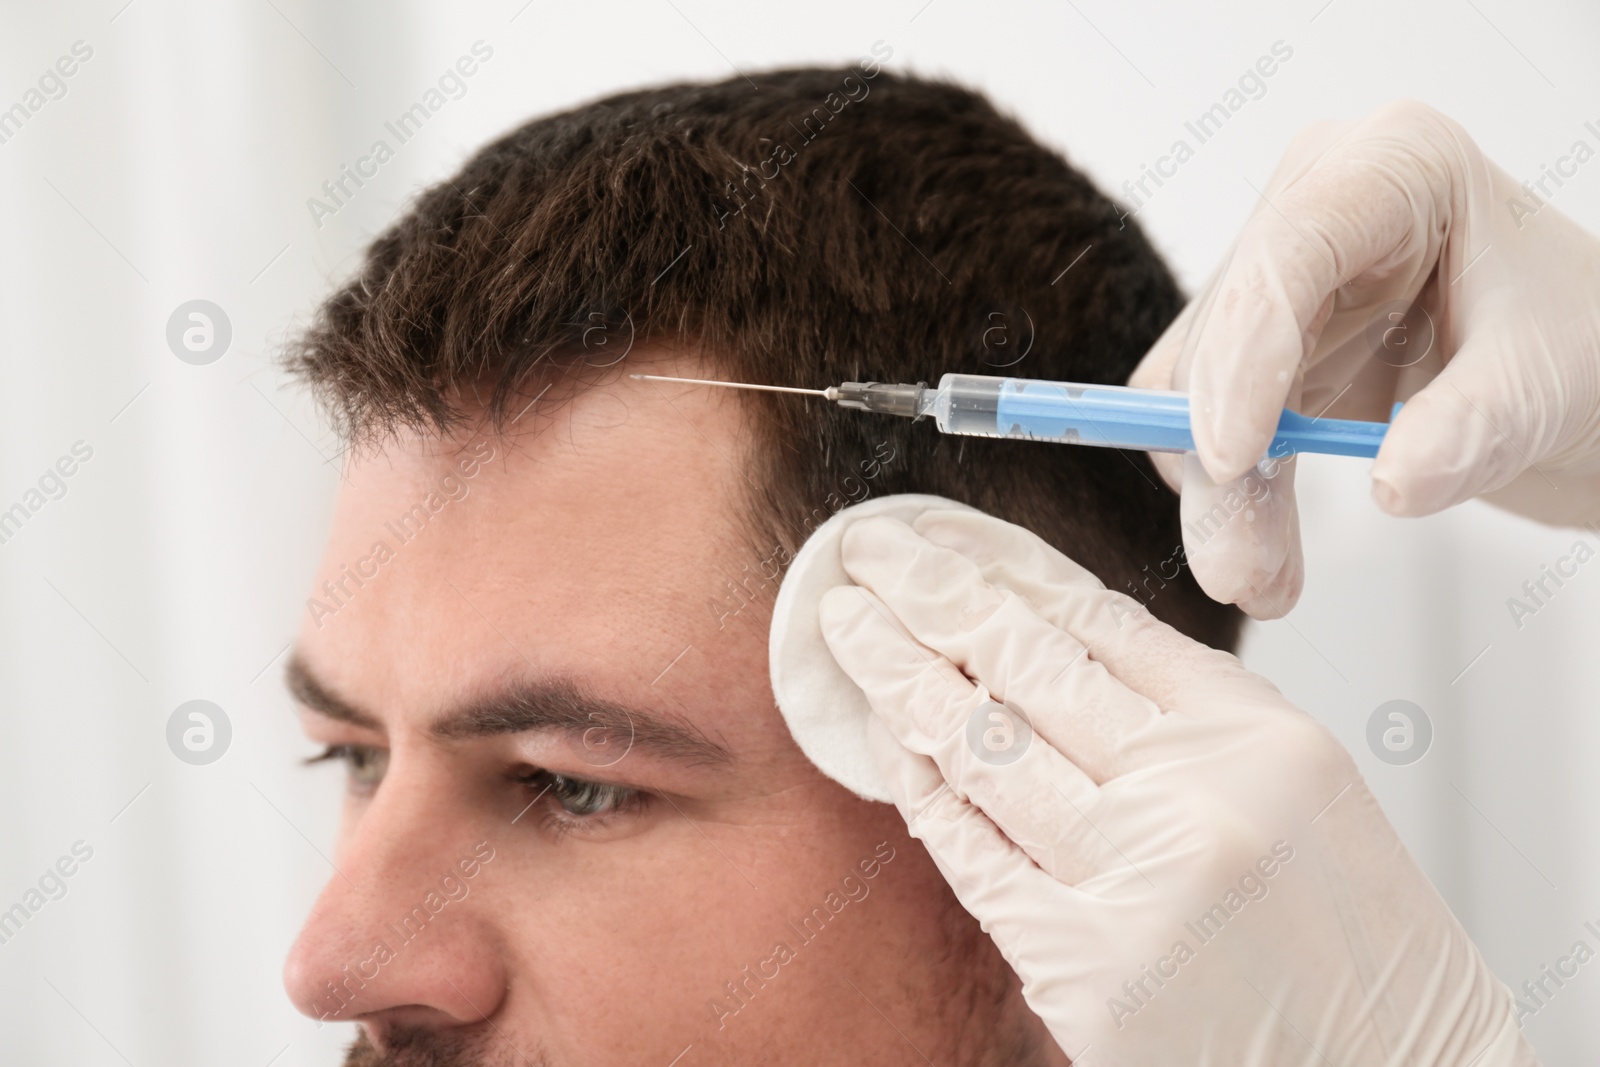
{"points": [[577, 831]]}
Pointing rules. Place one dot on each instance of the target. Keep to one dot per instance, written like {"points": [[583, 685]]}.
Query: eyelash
{"points": [[354, 758], [556, 817], [559, 820]]}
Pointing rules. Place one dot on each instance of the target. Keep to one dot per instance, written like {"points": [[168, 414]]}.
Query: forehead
{"points": [[594, 541]]}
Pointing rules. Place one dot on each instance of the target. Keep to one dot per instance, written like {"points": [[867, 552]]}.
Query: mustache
{"points": [[415, 1046]]}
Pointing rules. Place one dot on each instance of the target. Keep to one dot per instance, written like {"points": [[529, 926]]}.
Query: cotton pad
{"points": [[827, 712]]}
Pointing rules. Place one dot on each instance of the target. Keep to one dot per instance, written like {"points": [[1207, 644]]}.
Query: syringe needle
{"points": [[828, 394]]}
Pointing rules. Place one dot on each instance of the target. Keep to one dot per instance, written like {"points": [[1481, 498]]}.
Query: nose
{"points": [[403, 932]]}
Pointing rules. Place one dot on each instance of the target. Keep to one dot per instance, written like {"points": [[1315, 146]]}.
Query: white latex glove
{"points": [[1180, 866], [1359, 222]]}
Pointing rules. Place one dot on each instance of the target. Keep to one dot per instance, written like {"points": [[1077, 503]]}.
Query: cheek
{"points": [[653, 929]]}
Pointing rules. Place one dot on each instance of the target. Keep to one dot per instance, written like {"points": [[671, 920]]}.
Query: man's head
{"points": [[578, 831]]}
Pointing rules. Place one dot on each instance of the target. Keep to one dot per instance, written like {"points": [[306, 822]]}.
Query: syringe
{"points": [[1111, 416]]}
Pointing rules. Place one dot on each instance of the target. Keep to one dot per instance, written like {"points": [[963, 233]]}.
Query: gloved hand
{"points": [[1359, 222], [1180, 866]]}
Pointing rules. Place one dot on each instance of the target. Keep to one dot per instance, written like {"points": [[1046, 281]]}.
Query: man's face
{"points": [[576, 829]]}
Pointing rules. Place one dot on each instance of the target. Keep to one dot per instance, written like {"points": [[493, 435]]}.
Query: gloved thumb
{"points": [[1242, 538]]}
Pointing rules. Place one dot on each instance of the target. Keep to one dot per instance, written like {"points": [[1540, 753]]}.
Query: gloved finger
{"points": [[1354, 211], [1471, 430], [1242, 539], [1166, 365], [1120, 633], [1070, 943], [1170, 466], [994, 879], [1044, 813], [942, 598], [1157, 371], [1276, 597], [984, 751]]}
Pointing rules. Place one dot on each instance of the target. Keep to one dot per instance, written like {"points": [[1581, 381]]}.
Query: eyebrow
{"points": [[556, 705]]}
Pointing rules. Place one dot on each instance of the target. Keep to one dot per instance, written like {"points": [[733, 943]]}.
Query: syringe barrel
{"points": [[1112, 416], [1116, 416]]}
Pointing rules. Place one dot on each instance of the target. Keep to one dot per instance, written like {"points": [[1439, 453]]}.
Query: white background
{"points": [[178, 166]]}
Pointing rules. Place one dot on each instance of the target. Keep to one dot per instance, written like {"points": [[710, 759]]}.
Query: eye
{"points": [[575, 802], [578, 797], [365, 765]]}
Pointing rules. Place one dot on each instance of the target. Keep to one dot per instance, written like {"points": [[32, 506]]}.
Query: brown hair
{"points": [[801, 227]]}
